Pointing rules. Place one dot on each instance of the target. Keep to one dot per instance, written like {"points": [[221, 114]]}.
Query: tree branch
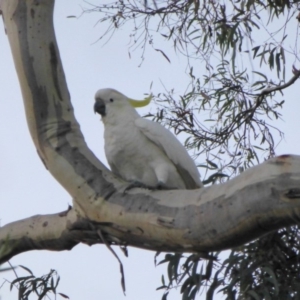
{"points": [[258, 201], [282, 86], [55, 232]]}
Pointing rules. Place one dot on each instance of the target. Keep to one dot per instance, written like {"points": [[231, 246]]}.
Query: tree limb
{"points": [[282, 86], [54, 232], [258, 201]]}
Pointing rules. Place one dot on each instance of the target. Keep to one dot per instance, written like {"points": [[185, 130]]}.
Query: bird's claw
{"points": [[137, 184]]}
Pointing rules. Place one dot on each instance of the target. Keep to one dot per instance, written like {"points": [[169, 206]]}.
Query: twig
{"points": [[116, 256], [124, 250], [283, 86], [13, 269]]}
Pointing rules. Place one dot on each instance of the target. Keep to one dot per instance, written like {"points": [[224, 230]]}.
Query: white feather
{"points": [[174, 150], [139, 150]]}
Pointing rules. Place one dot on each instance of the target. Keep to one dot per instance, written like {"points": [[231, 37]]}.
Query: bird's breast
{"points": [[131, 154]]}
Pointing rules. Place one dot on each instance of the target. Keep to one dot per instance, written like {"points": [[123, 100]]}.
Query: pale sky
{"points": [[28, 189]]}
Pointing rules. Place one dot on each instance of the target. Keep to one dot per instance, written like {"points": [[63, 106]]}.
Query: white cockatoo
{"points": [[141, 151]]}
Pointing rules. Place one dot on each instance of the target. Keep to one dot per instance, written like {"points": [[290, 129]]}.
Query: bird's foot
{"points": [[137, 184], [162, 186]]}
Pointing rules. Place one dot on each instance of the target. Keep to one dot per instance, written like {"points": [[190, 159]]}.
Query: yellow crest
{"points": [[140, 103]]}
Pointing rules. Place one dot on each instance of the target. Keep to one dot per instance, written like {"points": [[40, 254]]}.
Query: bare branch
{"points": [[281, 86], [117, 257]]}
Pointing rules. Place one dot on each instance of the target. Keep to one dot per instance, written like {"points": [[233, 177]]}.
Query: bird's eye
{"points": [[111, 100]]}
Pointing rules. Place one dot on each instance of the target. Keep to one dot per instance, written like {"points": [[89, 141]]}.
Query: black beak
{"points": [[99, 107]]}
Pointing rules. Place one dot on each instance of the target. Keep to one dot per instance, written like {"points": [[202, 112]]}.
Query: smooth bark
{"points": [[258, 201]]}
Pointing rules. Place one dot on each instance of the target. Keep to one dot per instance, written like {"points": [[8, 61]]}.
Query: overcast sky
{"points": [[28, 189]]}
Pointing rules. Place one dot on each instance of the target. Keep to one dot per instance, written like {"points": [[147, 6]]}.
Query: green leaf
{"points": [[164, 55], [272, 278], [64, 295], [26, 269], [261, 74], [277, 59], [212, 164], [255, 50], [164, 297], [271, 58], [254, 295]]}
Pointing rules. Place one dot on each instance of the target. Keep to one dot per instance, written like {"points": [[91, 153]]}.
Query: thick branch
{"points": [[258, 201], [55, 232]]}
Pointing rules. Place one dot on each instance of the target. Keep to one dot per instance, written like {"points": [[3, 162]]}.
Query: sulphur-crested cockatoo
{"points": [[141, 151]]}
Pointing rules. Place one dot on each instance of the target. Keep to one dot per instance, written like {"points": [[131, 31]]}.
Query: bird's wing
{"points": [[113, 168], [173, 149]]}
